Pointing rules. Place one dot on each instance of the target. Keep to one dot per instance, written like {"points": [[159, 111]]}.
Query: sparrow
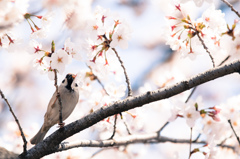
{"points": [[69, 96]]}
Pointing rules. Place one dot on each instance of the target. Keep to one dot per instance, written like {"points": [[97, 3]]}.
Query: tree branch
{"points": [[4, 153], [101, 85], [161, 129], [98, 80], [230, 123], [229, 5], [19, 126], [115, 120], [128, 131], [194, 89], [224, 60], [131, 139], [190, 144], [123, 141], [197, 138], [51, 143], [114, 127], [125, 73], [206, 48], [61, 124]]}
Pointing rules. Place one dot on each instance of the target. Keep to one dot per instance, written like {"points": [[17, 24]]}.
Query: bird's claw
{"points": [[61, 125]]}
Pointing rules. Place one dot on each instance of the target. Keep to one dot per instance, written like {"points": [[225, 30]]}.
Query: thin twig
{"points": [[190, 144], [225, 140], [194, 89], [152, 138], [206, 48], [229, 121], [97, 152], [224, 60], [124, 69], [19, 126], [115, 120], [96, 77], [125, 73], [3, 27], [160, 130], [125, 123], [197, 138], [190, 95], [101, 85], [114, 127], [61, 124], [229, 5]]}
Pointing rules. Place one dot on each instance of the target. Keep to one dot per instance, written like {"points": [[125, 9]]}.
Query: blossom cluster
{"points": [[186, 34], [12, 12], [47, 61], [198, 3], [210, 33], [105, 33], [212, 122]]}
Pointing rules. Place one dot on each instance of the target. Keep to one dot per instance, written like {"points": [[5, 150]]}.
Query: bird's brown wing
{"points": [[52, 112]]}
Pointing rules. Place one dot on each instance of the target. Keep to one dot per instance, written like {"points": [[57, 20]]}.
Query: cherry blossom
{"points": [[95, 36], [47, 19], [12, 12], [121, 37], [175, 111], [105, 33], [34, 47], [198, 3], [116, 92], [59, 60], [214, 20], [41, 33], [186, 35], [73, 49], [95, 28], [212, 150], [191, 115]]}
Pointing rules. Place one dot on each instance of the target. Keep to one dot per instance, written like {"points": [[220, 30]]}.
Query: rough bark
{"points": [[51, 143]]}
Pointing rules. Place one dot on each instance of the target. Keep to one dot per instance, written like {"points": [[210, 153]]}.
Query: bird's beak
{"points": [[74, 76]]}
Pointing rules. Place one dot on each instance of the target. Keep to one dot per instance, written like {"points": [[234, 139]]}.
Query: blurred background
{"points": [[149, 62]]}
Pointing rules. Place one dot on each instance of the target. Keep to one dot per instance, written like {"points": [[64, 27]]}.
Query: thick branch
{"points": [[4, 153], [50, 144]]}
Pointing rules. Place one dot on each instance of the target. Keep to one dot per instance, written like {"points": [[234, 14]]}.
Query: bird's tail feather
{"points": [[39, 136]]}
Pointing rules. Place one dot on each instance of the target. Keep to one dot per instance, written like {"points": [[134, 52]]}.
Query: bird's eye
{"points": [[63, 81], [76, 85]]}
